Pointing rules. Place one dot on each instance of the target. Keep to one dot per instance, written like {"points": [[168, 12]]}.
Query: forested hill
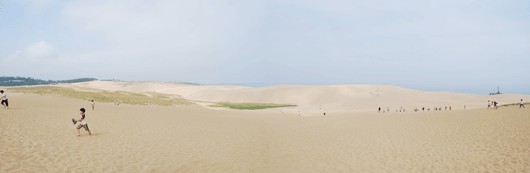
{"points": [[19, 81]]}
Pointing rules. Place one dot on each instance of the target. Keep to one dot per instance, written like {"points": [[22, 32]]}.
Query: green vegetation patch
{"points": [[107, 96], [249, 106], [514, 104]]}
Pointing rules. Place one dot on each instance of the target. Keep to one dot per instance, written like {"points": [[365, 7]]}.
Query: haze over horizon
{"points": [[457, 46]]}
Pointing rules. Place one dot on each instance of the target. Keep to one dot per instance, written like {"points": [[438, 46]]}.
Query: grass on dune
{"points": [[514, 104], [249, 106], [107, 96]]}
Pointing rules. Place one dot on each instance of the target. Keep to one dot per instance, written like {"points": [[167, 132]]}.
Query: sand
{"points": [[314, 99], [38, 136]]}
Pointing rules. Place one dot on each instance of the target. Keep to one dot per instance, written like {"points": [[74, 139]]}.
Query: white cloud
{"points": [[40, 50], [34, 54]]}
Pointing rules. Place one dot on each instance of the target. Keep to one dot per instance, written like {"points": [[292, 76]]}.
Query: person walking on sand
{"points": [[522, 104], [489, 104], [4, 99], [82, 123], [93, 104], [298, 113], [379, 110]]}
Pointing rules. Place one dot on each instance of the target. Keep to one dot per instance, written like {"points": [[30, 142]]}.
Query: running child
{"points": [[522, 104], [82, 123], [4, 99]]}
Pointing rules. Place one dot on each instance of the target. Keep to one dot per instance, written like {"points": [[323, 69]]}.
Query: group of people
{"points": [[387, 109], [493, 104], [440, 108], [401, 109]]}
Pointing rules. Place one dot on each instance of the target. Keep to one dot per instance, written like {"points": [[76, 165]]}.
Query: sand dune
{"points": [[315, 99], [37, 136], [161, 87]]}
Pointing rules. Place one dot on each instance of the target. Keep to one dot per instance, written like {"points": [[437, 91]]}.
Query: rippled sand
{"points": [[37, 136]]}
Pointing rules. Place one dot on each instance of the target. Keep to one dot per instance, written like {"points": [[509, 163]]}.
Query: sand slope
{"points": [[316, 99], [37, 136]]}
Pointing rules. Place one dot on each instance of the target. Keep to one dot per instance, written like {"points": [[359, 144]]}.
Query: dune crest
{"points": [[313, 99]]}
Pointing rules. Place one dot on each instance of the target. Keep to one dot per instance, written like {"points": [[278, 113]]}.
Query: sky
{"points": [[466, 46]]}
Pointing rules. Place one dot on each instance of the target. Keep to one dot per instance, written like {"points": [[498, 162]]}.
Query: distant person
{"points": [[93, 104], [489, 104], [388, 109], [324, 113], [82, 123], [379, 110], [423, 109], [428, 109], [6, 104], [282, 110], [522, 104], [299, 113], [445, 107], [449, 107], [464, 106]]}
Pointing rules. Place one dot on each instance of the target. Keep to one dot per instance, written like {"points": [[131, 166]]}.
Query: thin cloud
{"points": [[40, 50], [294, 41], [37, 6]]}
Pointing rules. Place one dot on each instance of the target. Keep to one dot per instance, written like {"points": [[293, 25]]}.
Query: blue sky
{"points": [[457, 46]]}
